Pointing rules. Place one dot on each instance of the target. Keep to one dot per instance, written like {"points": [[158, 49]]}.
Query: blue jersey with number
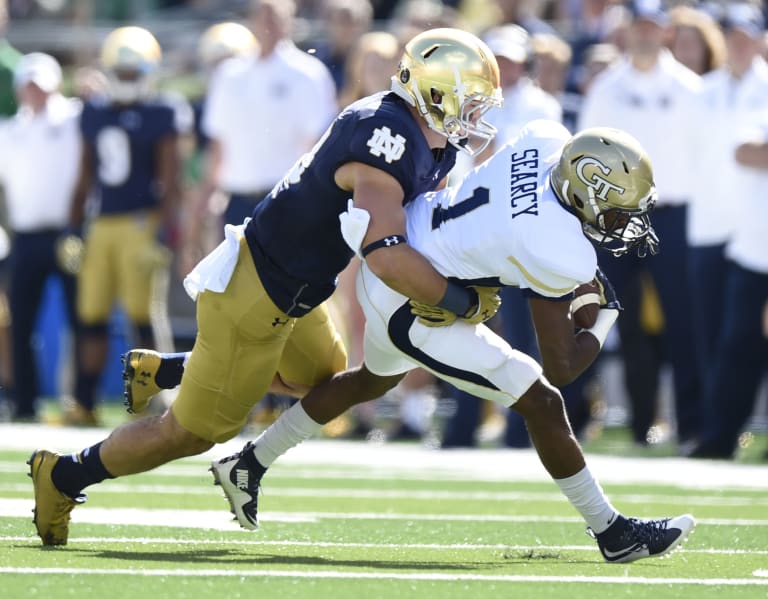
{"points": [[123, 140], [294, 235]]}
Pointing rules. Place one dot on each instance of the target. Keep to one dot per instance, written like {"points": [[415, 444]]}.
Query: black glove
{"points": [[608, 297]]}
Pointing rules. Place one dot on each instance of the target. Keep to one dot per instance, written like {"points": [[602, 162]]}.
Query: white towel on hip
{"points": [[215, 270]]}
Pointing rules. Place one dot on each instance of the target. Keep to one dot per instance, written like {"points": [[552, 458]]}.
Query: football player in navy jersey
{"points": [[130, 167], [262, 320], [529, 217]]}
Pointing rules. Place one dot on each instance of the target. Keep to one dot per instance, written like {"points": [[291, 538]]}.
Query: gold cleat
{"points": [[52, 507], [139, 369]]}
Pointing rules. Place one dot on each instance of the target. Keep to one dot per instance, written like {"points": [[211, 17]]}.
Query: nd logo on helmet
{"points": [[598, 185]]}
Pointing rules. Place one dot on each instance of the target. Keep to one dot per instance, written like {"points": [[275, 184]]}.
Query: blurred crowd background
{"points": [[686, 366]]}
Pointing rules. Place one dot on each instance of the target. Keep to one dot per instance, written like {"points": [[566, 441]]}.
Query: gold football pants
{"points": [[243, 339], [119, 257]]}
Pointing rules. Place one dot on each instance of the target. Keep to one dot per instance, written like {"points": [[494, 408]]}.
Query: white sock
{"points": [[586, 495], [291, 428]]}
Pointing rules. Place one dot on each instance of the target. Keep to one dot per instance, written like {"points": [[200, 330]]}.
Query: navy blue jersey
{"points": [[294, 234], [124, 142]]}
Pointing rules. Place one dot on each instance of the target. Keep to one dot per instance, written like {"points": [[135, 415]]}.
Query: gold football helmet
{"points": [[605, 177], [452, 79], [130, 56], [224, 40]]}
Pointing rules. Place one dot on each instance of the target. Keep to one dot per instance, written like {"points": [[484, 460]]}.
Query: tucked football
{"points": [[585, 305]]}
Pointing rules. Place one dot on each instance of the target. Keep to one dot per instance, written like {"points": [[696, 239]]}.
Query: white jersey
{"points": [[502, 225]]}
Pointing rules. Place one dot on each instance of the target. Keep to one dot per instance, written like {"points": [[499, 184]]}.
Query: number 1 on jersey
{"points": [[480, 196]]}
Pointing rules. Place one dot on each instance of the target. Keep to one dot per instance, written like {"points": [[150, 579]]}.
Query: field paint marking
{"points": [[437, 546], [763, 573], [427, 495], [215, 519], [472, 464], [426, 576]]}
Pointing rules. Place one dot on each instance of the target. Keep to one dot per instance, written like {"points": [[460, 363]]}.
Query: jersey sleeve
{"points": [[554, 264], [386, 145]]}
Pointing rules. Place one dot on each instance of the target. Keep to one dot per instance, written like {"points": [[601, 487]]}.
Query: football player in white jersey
{"points": [[530, 216]]}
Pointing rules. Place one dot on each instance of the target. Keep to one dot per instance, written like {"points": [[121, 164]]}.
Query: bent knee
{"points": [[540, 399]]}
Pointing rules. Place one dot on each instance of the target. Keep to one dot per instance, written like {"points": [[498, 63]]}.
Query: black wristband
{"points": [[458, 299], [387, 242]]}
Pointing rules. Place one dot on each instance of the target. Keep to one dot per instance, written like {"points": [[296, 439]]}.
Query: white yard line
{"points": [[423, 546], [222, 520], [113, 488], [415, 576], [473, 464]]}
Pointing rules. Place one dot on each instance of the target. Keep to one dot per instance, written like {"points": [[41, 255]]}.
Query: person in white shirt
{"points": [[732, 101], [251, 112], [649, 94], [529, 217], [40, 146], [730, 232]]}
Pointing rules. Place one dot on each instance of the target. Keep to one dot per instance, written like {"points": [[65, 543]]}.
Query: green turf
{"points": [[374, 533]]}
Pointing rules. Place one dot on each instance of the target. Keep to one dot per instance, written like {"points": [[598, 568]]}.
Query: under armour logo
{"points": [[142, 375], [390, 241], [382, 142], [277, 321], [597, 185]]}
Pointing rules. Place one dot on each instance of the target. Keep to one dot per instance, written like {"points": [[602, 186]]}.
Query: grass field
{"points": [[350, 519]]}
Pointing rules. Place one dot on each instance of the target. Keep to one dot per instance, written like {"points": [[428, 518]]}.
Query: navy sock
{"points": [[73, 472], [170, 371], [253, 463]]}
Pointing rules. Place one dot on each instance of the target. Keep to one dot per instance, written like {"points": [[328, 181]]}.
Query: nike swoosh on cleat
{"points": [[624, 552]]}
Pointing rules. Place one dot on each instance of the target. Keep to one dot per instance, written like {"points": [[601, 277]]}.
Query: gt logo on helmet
{"points": [[597, 184]]}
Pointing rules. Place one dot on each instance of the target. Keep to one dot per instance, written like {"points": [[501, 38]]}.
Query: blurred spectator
{"points": [[696, 39], [414, 16], [40, 148], [732, 99], [130, 161], [345, 21], [649, 94], [252, 112], [9, 57], [370, 65], [551, 63], [524, 101], [522, 13], [217, 44], [596, 59], [728, 232]]}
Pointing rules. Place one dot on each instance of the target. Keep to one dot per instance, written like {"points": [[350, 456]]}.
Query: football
{"points": [[585, 305]]}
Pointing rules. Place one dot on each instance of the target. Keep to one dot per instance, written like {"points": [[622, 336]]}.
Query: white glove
{"points": [[354, 226]]}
